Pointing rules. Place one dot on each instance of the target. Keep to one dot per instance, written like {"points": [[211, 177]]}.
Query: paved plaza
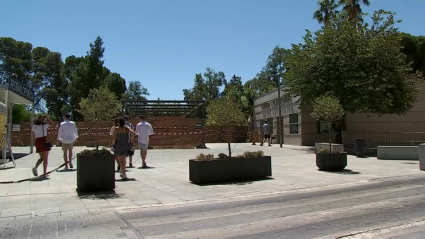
{"points": [[167, 182]]}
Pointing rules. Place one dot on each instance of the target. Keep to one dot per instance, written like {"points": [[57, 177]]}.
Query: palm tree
{"points": [[353, 8], [327, 8]]}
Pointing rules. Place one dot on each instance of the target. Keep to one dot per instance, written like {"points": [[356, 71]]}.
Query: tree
{"points": [[136, 91], [327, 108], [327, 9], [116, 84], [20, 114], [414, 50], [362, 67], [275, 67], [353, 9], [87, 75], [224, 112], [206, 87], [253, 89], [100, 105]]}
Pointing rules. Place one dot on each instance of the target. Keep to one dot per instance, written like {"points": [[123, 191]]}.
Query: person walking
{"points": [[131, 151], [122, 137], [112, 143], [42, 146], [143, 131], [67, 135], [266, 130]]}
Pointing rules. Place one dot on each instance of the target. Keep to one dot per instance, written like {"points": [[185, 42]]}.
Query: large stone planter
{"points": [[331, 162], [226, 170], [95, 173]]}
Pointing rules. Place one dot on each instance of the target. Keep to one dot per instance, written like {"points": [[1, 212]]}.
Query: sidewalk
{"points": [[168, 181]]}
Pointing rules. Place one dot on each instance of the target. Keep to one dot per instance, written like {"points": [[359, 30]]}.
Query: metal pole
{"points": [[6, 101], [32, 120], [203, 125], [411, 137], [390, 138], [367, 140], [280, 121]]}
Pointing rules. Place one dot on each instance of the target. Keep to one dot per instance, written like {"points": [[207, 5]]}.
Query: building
{"points": [[301, 129]]}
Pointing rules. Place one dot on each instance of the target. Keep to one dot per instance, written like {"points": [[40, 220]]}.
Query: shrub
{"points": [[89, 152], [203, 157], [222, 156]]}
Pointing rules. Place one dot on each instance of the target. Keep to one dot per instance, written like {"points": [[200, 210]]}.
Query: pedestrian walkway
{"points": [[167, 182]]}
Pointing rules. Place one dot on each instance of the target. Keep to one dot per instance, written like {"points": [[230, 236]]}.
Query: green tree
{"points": [[224, 112], [116, 84], [327, 108], [100, 105], [327, 9], [354, 9], [20, 114], [88, 74], [205, 87], [362, 67], [275, 67], [136, 91], [414, 50]]}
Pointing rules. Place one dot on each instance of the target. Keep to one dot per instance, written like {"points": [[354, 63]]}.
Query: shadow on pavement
{"points": [[238, 183], [344, 172], [99, 195]]}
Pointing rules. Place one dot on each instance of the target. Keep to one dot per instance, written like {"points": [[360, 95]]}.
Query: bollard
{"points": [[422, 157], [359, 147]]}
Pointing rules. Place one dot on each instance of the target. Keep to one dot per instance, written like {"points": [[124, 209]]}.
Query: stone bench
{"points": [[398, 152]]}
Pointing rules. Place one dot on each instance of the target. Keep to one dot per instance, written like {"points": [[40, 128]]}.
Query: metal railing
{"points": [[372, 139]]}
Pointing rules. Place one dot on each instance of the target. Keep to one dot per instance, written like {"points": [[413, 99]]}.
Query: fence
{"points": [[373, 139]]}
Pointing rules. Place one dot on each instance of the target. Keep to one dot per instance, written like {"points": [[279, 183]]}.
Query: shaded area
{"points": [[238, 183], [98, 195], [344, 172]]}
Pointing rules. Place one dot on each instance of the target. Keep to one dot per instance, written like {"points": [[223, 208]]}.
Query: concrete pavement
{"points": [[167, 182]]}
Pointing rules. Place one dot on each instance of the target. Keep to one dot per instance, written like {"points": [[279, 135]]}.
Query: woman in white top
{"points": [[39, 130]]}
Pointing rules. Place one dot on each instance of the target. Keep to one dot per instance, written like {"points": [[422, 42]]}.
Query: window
{"points": [[322, 127], [293, 123]]}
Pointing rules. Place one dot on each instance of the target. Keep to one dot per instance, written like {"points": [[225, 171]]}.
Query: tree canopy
{"points": [[100, 105], [359, 65]]}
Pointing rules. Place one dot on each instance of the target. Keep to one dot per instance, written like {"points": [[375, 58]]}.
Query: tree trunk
{"points": [[229, 134], [330, 143]]}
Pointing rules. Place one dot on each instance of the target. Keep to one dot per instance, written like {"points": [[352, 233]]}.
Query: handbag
{"points": [[47, 144]]}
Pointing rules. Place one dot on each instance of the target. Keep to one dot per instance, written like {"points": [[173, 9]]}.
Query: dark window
{"points": [[293, 123], [322, 127]]}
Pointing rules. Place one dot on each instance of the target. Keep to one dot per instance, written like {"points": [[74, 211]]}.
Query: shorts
{"points": [[142, 146], [67, 146], [267, 136]]}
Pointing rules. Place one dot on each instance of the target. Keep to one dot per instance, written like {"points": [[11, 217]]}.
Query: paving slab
{"points": [[167, 182]]}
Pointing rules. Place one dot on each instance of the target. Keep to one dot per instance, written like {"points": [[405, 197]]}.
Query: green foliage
{"points": [[20, 114], [353, 8], [327, 9], [253, 154], [361, 66], [205, 87], [225, 112], [92, 152], [222, 156], [136, 91], [414, 51], [100, 105], [327, 108]]}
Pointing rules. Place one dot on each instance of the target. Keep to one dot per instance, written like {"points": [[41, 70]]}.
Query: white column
{"points": [[422, 157]]}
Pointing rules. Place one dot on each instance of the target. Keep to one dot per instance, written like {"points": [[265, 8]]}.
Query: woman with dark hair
{"points": [[39, 130], [121, 138]]}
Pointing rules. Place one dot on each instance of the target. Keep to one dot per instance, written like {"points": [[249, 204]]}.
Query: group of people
{"points": [[122, 134], [121, 141]]}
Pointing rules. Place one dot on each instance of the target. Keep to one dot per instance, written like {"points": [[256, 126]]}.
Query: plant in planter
{"points": [[95, 167], [327, 108]]}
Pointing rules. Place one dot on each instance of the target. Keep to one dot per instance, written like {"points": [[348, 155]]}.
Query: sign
{"points": [[17, 87], [16, 127], [198, 125]]}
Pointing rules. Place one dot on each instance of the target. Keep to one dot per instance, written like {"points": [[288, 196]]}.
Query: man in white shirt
{"points": [[143, 130], [67, 135]]}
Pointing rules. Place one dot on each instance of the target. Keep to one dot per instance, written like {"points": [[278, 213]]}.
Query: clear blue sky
{"points": [[164, 43]]}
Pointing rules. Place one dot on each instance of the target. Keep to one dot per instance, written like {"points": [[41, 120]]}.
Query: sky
{"points": [[164, 43]]}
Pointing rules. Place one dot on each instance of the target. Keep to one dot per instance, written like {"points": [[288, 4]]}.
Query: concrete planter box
{"points": [[95, 173], [331, 162], [226, 170], [398, 152], [422, 157], [338, 147]]}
